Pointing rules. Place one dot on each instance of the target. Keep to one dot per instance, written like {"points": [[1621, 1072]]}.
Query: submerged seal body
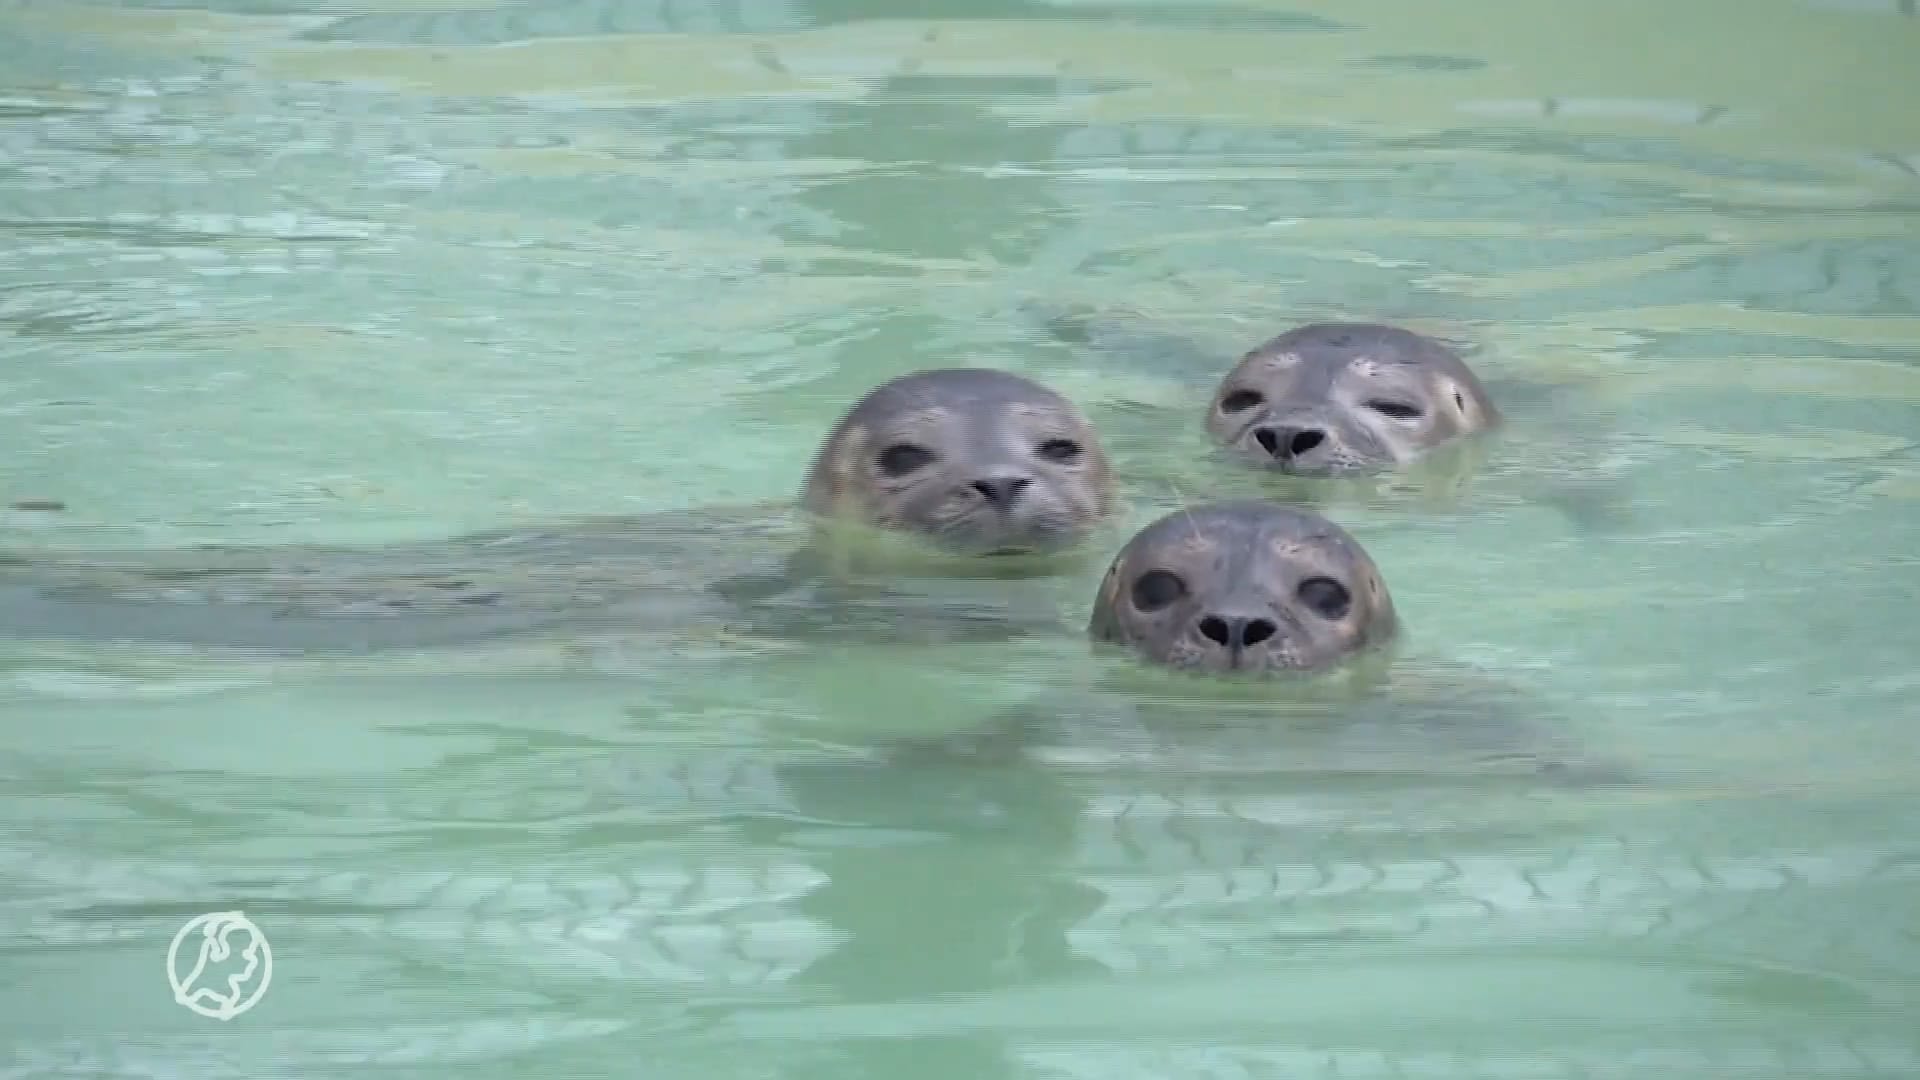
{"points": [[1170, 815], [1257, 639], [958, 464], [1333, 399]]}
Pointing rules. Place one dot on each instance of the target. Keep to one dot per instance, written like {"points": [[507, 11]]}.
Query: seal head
{"points": [[975, 460], [1245, 587], [1335, 399]]}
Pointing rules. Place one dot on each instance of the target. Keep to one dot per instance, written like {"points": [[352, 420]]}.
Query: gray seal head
{"points": [[975, 460], [1334, 399], [1245, 587]]}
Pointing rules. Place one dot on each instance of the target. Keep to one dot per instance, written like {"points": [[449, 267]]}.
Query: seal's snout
{"points": [[1236, 632], [1289, 443], [1002, 490]]}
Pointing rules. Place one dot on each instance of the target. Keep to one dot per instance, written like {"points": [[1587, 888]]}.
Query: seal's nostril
{"points": [[1236, 632], [1267, 440], [1304, 441]]}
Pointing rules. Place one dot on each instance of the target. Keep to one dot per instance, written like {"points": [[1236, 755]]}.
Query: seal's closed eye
{"points": [[1399, 410], [1061, 450]]}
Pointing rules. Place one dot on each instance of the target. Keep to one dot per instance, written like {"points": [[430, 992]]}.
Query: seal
{"points": [[906, 519], [1244, 587], [1286, 653], [1342, 411], [1333, 399], [976, 460]]}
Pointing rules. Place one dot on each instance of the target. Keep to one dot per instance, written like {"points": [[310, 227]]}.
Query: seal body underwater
{"points": [[951, 477], [1262, 767]]}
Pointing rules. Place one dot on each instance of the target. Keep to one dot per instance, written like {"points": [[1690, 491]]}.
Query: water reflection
{"points": [[573, 18], [819, 883]]}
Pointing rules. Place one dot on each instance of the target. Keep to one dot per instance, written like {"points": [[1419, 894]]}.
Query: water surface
{"points": [[292, 271]]}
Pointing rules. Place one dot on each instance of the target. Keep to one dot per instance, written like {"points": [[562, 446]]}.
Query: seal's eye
{"points": [[1157, 589], [903, 458], [1240, 401], [1399, 410], [1328, 598], [1063, 451]]}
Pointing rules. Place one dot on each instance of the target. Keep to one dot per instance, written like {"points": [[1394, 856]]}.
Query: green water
{"points": [[300, 270]]}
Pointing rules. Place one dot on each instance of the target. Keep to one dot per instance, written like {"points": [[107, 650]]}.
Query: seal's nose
{"points": [[1001, 491], [1287, 442], [1236, 632]]}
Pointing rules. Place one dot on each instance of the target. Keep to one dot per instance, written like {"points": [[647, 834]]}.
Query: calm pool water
{"points": [[299, 270]]}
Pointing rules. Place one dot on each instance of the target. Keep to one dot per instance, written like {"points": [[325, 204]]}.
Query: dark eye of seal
{"points": [[1328, 598], [903, 458], [1157, 589], [1399, 410], [1240, 401], [1060, 450]]}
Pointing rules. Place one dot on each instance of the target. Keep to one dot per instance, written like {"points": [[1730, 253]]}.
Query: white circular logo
{"points": [[219, 978]]}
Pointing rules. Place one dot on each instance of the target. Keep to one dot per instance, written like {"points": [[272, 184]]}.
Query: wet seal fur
{"points": [[1339, 411], [928, 491]]}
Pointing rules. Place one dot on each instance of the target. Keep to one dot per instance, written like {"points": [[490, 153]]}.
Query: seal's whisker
{"points": [[1185, 507]]}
